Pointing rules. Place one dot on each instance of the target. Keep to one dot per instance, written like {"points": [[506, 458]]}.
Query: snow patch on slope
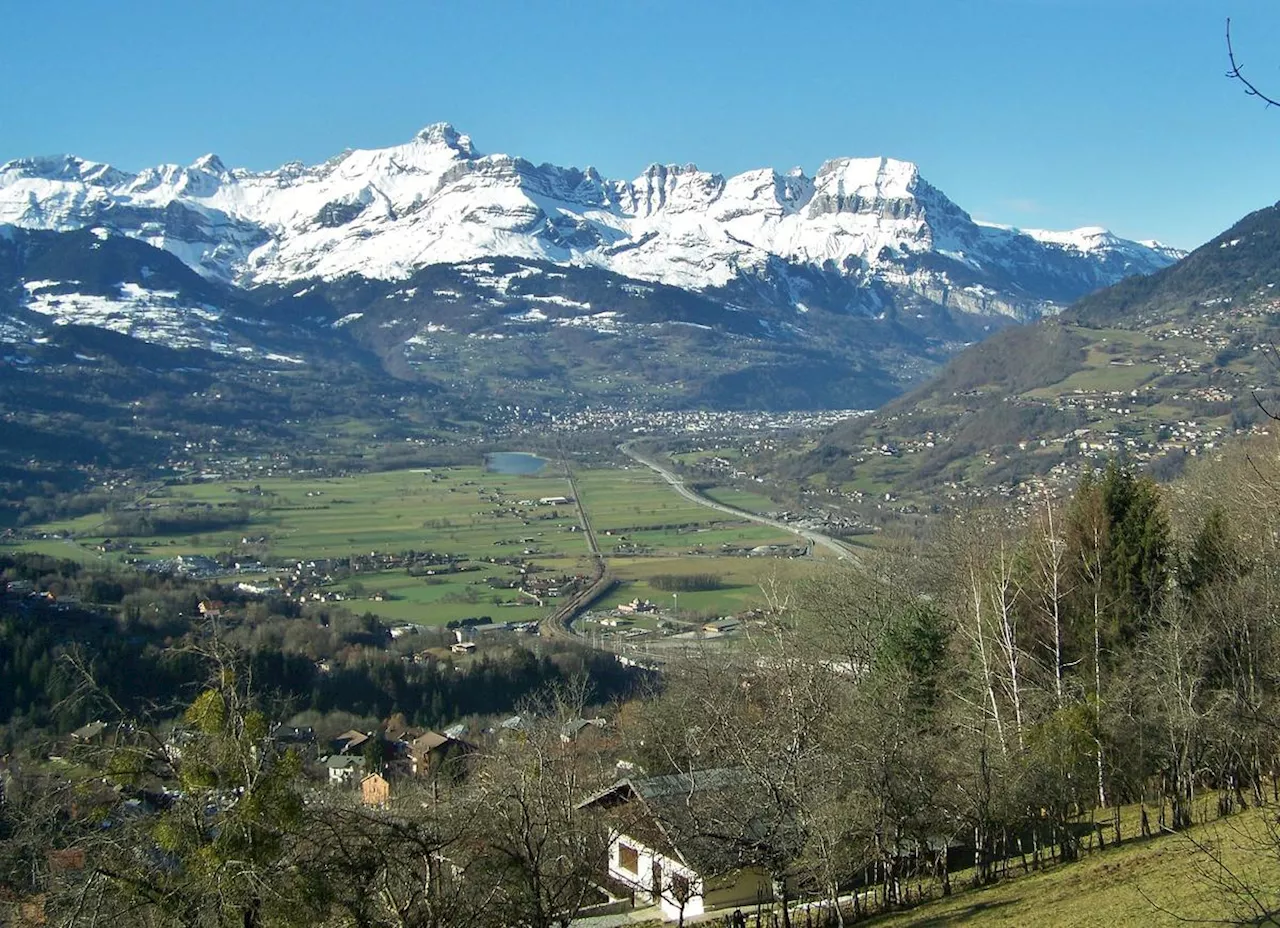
{"points": [[161, 317]]}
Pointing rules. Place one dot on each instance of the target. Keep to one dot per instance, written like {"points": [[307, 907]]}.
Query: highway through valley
{"points": [[839, 548], [559, 624]]}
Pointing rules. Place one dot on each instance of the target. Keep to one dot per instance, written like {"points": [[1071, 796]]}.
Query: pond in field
{"points": [[520, 463]]}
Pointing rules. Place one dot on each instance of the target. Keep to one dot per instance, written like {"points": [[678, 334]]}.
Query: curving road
{"points": [[559, 624], [839, 548]]}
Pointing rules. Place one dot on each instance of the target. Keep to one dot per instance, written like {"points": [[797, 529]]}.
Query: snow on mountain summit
{"points": [[384, 213], [869, 178], [441, 133]]}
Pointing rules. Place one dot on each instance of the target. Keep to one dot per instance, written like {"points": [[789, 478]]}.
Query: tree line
{"points": [[133, 629]]}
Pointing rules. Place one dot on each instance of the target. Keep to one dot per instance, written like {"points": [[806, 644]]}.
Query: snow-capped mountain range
{"points": [[870, 223], [489, 278]]}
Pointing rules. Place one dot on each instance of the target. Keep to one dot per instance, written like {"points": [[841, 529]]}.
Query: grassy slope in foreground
{"points": [[1165, 881]]}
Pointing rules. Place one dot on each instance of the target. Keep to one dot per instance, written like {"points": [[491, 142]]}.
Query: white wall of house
{"points": [[642, 877], [340, 775]]}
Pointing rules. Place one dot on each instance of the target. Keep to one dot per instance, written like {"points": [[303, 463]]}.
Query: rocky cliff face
{"points": [[860, 233]]}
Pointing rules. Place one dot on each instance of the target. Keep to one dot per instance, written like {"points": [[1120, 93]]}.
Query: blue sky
{"points": [[1039, 113]]}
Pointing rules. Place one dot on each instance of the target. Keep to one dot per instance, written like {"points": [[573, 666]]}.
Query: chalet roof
{"points": [[343, 761], [629, 789], [430, 741], [700, 817], [289, 733], [403, 733], [90, 731], [722, 625], [572, 728], [351, 739]]}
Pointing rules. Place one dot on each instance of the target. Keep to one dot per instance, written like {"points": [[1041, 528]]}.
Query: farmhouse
{"points": [[343, 768], [350, 742], [636, 606], [433, 753], [375, 790], [581, 729], [661, 847], [554, 501]]}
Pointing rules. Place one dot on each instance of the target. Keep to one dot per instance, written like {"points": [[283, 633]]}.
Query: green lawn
{"points": [[1101, 375], [436, 600], [465, 512], [66, 550], [740, 581], [697, 457], [451, 510]]}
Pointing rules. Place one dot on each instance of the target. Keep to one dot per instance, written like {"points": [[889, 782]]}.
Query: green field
{"points": [[633, 506], [64, 550], [747, 500], [740, 581], [457, 510], [464, 512], [431, 602], [1099, 374]]}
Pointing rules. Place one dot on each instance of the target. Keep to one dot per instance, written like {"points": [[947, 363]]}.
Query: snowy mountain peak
{"points": [[387, 212], [1087, 239], [442, 133], [62, 168], [869, 178], [210, 163]]}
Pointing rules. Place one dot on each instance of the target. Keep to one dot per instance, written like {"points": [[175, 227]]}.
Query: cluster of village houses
{"points": [[658, 854], [622, 618], [652, 859], [701, 422]]}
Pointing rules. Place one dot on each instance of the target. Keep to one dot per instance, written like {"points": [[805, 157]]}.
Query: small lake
{"points": [[520, 463]]}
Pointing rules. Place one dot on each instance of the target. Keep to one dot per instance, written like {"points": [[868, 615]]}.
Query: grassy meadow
{"points": [[740, 579], [451, 510], [644, 528], [631, 505], [1165, 881], [747, 500]]}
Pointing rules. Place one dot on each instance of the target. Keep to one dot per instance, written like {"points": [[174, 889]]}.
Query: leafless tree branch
{"points": [[1236, 74]]}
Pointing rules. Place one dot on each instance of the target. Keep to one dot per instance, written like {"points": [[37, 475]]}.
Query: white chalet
{"points": [[659, 851], [343, 768]]}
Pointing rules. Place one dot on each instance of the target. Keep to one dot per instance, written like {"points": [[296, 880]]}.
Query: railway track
{"points": [[559, 624]]}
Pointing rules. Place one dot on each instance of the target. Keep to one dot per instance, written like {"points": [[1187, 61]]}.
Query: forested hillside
{"points": [[1153, 371]]}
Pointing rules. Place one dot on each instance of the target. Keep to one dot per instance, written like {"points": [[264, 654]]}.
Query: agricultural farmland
{"points": [[430, 546], [635, 512]]}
